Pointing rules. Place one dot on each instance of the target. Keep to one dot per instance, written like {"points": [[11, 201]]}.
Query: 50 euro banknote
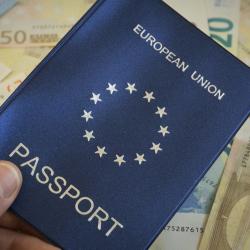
{"points": [[15, 65], [35, 23], [4, 71], [8, 86]]}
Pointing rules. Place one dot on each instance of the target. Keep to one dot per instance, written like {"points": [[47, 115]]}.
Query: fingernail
{"points": [[9, 179]]}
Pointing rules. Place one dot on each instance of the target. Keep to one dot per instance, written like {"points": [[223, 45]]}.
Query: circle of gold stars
{"points": [[120, 159]]}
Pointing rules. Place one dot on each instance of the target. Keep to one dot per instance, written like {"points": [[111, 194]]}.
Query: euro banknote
{"points": [[223, 21], [15, 65], [194, 11], [8, 87], [6, 5], [40, 23], [244, 32], [4, 71], [185, 229], [20, 60], [228, 226], [20, 51]]}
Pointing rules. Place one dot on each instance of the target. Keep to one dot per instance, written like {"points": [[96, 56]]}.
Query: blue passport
{"points": [[118, 124]]}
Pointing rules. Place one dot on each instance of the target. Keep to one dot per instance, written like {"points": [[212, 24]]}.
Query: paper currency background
{"points": [[228, 225], [29, 29]]}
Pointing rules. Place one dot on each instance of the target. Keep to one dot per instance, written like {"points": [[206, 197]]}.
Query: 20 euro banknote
{"points": [[223, 20], [244, 32]]}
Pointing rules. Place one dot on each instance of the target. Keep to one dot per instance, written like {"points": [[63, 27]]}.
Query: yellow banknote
{"points": [[244, 32], [223, 22], [9, 86], [19, 60], [4, 71], [16, 64], [19, 54], [40, 23], [228, 226]]}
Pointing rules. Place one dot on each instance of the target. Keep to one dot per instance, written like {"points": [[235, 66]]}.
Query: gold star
{"points": [[149, 96], [161, 111], [111, 88], [89, 135], [101, 151], [119, 160], [87, 115], [131, 88], [156, 147], [96, 98], [140, 158], [163, 130]]}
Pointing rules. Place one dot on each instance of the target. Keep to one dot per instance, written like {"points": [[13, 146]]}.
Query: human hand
{"points": [[15, 234]]}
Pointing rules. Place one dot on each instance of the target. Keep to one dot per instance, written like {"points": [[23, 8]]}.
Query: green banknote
{"points": [[223, 22]]}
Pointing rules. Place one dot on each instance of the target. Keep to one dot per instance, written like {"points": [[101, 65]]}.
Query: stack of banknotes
{"points": [[217, 214]]}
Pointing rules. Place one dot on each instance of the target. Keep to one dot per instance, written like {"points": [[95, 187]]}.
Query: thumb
{"points": [[10, 184]]}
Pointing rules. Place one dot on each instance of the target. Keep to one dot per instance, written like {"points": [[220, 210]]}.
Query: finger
{"points": [[13, 222], [10, 240], [10, 184]]}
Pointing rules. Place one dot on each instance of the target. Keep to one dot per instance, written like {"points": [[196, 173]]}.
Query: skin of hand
{"points": [[15, 234]]}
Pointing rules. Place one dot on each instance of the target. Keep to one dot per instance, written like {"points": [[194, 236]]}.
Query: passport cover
{"points": [[118, 124]]}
